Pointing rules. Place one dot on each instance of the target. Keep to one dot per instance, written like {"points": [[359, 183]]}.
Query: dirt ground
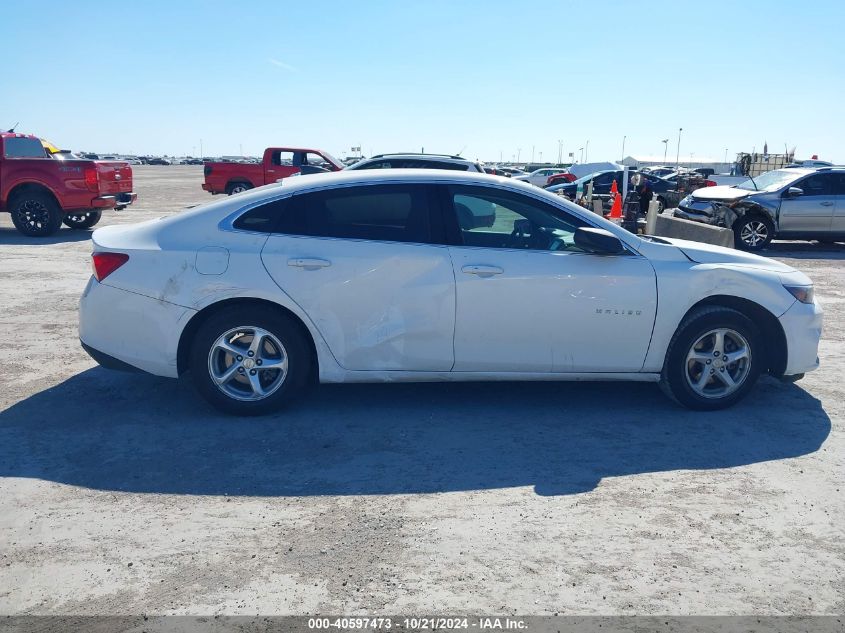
{"points": [[126, 494]]}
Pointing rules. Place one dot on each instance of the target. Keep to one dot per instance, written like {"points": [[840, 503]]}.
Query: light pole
{"points": [[587, 151], [201, 154], [665, 142], [518, 153], [532, 153], [623, 148], [726, 156], [559, 151], [541, 157], [678, 154], [581, 149]]}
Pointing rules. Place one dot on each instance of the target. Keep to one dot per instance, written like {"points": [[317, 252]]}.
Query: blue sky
{"points": [[486, 77]]}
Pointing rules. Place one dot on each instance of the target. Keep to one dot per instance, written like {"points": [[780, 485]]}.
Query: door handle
{"points": [[827, 203], [309, 263], [482, 271]]}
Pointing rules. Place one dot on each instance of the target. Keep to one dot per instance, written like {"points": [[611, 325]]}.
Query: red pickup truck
{"points": [[278, 163], [42, 189]]}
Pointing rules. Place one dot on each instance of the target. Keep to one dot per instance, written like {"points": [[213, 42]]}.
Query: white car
{"points": [[367, 276], [539, 177]]}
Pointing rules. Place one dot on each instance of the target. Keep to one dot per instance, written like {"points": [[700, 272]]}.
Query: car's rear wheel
{"points": [[82, 220], [36, 214], [238, 187], [249, 360], [714, 359], [753, 232]]}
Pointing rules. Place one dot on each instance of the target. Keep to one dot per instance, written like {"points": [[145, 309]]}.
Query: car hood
{"points": [[709, 254], [720, 192]]}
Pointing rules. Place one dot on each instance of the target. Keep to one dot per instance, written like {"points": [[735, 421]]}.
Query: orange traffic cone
{"points": [[613, 188], [616, 207]]}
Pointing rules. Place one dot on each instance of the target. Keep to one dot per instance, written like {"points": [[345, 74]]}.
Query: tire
{"points": [[695, 350], [237, 187], [233, 329], [82, 220], [661, 205], [753, 232], [36, 214]]}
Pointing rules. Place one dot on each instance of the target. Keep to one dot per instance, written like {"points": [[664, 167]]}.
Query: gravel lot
{"points": [[127, 494]]}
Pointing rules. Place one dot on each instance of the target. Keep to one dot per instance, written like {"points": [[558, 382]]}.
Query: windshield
{"points": [[770, 181]]}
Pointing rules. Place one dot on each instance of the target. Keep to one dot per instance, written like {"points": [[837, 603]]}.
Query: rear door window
{"points": [[392, 213], [21, 147]]}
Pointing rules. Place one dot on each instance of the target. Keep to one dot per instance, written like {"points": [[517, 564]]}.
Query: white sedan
{"points": [[366, 276]]}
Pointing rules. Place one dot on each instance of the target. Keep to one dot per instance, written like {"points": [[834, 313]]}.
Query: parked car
{"points": [[41, 193], [250, 298], [602, 182], [418, 161], [278, 163], [560, 178], [539, 177], [511, 172], [795, 203], [157, 160]]}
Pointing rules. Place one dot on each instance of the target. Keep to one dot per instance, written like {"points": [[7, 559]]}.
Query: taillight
{"points": [[104, 264], [709, 183], [92, 179]]}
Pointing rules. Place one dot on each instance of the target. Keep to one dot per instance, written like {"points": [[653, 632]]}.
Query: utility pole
{"points": [[665, 142], [678, 154]]}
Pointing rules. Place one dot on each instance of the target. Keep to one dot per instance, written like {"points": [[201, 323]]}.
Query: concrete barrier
{"points": [[668, 226]]}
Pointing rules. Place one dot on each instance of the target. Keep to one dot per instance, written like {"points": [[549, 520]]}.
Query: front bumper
{"points": [[802, 325], [685, 213], [119, 200], [125, 328]]}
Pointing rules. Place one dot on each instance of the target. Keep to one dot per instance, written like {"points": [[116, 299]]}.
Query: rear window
{"points": [[18, 147], [393, 213], [272, 217]]}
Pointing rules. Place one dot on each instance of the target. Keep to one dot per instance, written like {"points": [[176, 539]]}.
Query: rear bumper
{"points": [[802, 325], [119, 328], [118, 200]]}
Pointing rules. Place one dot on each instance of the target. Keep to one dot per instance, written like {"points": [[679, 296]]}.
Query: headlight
{"points": [[804, 294], [687, 201]]}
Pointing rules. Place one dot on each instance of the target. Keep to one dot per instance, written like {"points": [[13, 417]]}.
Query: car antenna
{"points": [[11, 130], [462, 151]]}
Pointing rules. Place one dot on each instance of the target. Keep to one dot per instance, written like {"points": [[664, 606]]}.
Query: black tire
{"points": [[243, 319], [36, 214], [661, 205], [82, 219], [753, 232], [237, 187], [679, 372]]}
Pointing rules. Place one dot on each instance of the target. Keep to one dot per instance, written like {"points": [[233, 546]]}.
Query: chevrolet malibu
{"points": [[366, 276]]}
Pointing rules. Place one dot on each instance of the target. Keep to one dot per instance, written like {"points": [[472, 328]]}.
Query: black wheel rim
{"points": [[77, 218], [33, 215]]}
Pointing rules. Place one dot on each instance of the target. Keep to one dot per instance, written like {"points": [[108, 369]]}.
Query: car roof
{"points": [[433, 157]]}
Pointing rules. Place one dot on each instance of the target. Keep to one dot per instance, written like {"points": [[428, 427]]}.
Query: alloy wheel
{"points": [[754, 233], [718, 363], [248, 363], [34, 215]]}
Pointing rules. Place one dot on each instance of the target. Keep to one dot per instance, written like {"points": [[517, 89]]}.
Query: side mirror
{"points": [[598, 241], [794, 192]]}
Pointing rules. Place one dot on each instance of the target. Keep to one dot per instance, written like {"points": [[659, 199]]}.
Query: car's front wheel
{"points": [[82, 220], [714, 359], [753, 232], [249, 360]]}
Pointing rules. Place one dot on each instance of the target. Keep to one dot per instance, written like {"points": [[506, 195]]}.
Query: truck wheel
{"points": [[753, 232], [36, 214], [238, 187], [83, 220]]}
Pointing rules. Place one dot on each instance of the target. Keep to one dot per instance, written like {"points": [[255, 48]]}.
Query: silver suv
{"points": [[418, 161], [785, 203]]}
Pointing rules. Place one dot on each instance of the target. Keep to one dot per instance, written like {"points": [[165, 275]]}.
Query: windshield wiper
{"points": [[751, 178]]}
